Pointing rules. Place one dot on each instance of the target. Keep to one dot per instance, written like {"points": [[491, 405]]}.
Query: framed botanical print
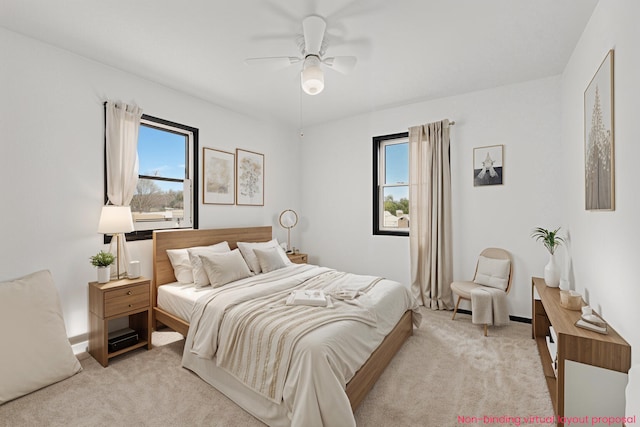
{"points": [[488, 165], [218, 177], [598, 138], [250, 178]]}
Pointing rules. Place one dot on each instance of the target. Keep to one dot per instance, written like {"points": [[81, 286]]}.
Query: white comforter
{"points": [[321, 360]]}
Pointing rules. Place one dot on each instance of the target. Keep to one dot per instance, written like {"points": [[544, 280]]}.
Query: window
{"points": [[166, 193], [391, 184]]}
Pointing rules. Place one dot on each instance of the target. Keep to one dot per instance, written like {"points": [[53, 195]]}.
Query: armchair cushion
{"points": [[493, 272], [464, 289]]}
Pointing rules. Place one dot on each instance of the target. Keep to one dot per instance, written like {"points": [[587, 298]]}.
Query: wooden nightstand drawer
{"points": [[123, 303], [298, 258], [142, 289]]}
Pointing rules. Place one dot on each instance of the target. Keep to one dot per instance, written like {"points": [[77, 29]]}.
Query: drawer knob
{"points": [[130, 305], [129, 293]]}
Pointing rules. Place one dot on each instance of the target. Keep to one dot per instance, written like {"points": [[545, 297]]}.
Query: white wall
{"points": [[605, 245], [337, 184], [51, 172], [51, 163]]}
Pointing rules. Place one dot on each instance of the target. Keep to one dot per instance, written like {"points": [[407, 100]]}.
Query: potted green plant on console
{"points": [[103, 260], [551, 240]]}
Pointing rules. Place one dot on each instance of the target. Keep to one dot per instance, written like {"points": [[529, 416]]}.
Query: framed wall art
{"points": [[488, 165], [218, 176], [598, 138], [250, 178]]}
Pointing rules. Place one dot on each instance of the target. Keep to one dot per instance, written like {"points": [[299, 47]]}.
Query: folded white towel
{"points": [[344, 294], [314, 298]]}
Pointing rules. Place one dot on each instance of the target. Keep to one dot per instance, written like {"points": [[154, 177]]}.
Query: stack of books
{"points": [[592, 323]]}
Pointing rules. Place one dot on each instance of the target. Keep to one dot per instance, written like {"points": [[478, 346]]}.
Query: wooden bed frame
{"points": [[361, 382]]}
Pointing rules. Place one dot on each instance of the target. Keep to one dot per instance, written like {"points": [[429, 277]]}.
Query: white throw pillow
{"points": [[200, 278], [223, 268], [493, 272], [182, 268], [269, 259], [35, 349], [250, 256]]}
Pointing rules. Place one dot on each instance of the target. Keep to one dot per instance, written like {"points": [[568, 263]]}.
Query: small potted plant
{"points": [[551, 240], [103, 260]]}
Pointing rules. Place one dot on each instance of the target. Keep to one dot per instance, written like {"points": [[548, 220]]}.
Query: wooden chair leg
{"points": [[486, 327], [455, 310]]}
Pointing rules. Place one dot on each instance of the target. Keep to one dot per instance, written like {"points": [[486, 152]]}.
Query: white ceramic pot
{"points": [[552, 273], [104, 274]]}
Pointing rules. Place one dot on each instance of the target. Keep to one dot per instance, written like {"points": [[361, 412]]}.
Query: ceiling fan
{"points": [[313, 46]]}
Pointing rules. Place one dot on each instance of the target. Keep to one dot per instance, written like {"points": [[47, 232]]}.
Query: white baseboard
{"points": [[81, 347]]}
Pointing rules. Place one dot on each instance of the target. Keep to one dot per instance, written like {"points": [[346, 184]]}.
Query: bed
{"points": [[341, 375]]}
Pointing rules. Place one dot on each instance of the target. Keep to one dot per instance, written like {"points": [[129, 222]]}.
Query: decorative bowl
{"points": [[571, 300]]}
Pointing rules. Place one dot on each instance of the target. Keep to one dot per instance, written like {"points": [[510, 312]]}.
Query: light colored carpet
{"points": [[447, 370]]}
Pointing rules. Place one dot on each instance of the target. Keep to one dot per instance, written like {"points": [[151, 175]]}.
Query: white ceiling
{"points": [[408, 50]]}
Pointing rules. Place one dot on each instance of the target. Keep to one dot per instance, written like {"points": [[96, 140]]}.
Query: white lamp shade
{"points": [[312, 76], [115, 219]]}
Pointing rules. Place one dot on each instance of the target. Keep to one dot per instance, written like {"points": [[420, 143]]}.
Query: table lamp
{"points": [[116, 220]]}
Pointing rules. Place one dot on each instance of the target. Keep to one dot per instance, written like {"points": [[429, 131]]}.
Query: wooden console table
{"points": [[591, 367]]}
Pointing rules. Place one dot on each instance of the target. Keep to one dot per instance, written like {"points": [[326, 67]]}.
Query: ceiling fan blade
{"points": [[313, 27], [274, 62], [342, 64]]}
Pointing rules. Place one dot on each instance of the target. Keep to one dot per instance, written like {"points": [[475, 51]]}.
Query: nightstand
{"points": [[298, 258], [120, 298]]}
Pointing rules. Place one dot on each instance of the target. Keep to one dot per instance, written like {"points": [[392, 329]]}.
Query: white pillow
{"points": [[181, 263], [250, 257], [269, 259], [493, 272], [200, 278], [35, 348], [223, 268]]}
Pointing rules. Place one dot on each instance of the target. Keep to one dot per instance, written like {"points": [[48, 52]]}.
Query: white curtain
{"points": [[430, 237], [122, 125]]}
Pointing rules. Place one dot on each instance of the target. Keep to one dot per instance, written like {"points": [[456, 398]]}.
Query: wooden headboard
{"points": [[179, 239]]}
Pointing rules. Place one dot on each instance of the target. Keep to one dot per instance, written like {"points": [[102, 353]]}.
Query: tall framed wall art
{"points": [[598, 139]]}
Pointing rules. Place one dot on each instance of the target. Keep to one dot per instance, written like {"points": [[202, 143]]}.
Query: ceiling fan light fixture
{"points": [[312, 77]]}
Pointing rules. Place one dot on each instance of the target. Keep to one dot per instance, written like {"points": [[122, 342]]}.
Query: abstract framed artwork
{"points": [[598, 138], [218, 176], [250, 178], [488, 165]]}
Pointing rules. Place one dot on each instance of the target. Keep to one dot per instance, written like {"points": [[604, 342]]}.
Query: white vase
{"points": [[552, 273], [104, 274]]}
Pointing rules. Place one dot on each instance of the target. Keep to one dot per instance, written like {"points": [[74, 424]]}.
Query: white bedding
{"points": [[322, 362], [179, 298]]}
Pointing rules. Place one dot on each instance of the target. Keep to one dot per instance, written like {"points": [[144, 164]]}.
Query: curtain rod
{"points": [[452, 122]]}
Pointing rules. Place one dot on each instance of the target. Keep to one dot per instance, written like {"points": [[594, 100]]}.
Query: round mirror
{"points": [[288, 219]]}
